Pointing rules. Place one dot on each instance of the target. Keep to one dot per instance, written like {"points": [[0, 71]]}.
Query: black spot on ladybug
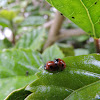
{"points": [[51, 67], [57, 60], [62, 65], [95, 3], [73, 17]]}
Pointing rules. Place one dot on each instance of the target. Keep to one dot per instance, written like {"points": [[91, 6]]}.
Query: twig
{"points": [[54, 30]]}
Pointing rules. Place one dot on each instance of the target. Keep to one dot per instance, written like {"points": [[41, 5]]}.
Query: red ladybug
{"points": [[60, 63], [55, 65], [50, 66]]}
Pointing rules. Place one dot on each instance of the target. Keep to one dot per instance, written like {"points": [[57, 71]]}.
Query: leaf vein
{"points": [[89, 17]]}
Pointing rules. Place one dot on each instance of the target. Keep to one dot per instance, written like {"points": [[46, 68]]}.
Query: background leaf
{"points": [[9, 15], [18, 62], [4, 22], [16, 66], [33, 21], [5, 44], [81, 52], [52, 53], [33, 40], [68, 50], [83, 13]]}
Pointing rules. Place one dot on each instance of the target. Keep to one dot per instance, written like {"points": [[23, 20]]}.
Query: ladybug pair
{"points": [[56, 65]]}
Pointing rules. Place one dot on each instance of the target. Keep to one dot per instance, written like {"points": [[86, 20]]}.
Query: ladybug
{"points": [[60, 63], [56, 65], [50, 66]]}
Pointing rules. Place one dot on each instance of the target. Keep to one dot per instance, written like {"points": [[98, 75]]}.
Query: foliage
{"points": [[60, 84], [33, 40], [22, 56], [90, 92], [51, 53], [33, 21], [9, 15], [83, 13], [67, 49], [18, 66], [5, 44]]}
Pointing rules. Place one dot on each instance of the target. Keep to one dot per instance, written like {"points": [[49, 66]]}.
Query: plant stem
{"points": [[13, 41], [54, 30], [97, 44]]}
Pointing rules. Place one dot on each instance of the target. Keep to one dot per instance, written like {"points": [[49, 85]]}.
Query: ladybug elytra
{"points": [[56, 65]]}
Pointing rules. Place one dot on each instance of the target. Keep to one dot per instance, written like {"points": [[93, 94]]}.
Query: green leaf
{"points": [[2, 46], [19, 62], [4, 22], [82, 12], [68, 50], [90, 92], [33, 40], [18, 19], [81, 52], [48, 93], [52, 53], [80, 71], [5, 44], [7, 85], [33, 21], [19, 94], [9, 15]]}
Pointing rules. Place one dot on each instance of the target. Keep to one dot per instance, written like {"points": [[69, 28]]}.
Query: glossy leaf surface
{"points": [[16, 93], [80, 71], [90, 92], [49, 92], [82, 12], [19, 94]]}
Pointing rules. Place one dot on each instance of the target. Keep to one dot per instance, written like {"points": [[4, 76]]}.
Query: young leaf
{"points": [[33, 40], [82, 12], [52, 53]]}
